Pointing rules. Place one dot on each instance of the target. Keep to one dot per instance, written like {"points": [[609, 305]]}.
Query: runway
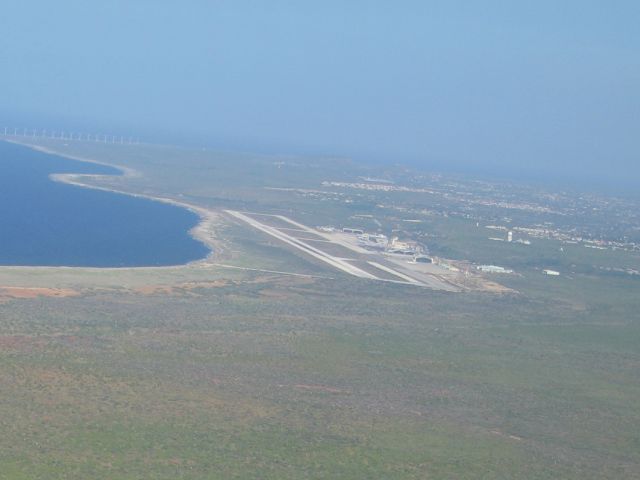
{"points": [[379, 270]]}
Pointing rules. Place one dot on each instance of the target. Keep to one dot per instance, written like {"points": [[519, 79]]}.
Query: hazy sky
{"points": [[518, 86]]}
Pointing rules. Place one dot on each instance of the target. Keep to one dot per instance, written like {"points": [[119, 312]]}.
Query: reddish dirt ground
{"points": [[34, 292]]}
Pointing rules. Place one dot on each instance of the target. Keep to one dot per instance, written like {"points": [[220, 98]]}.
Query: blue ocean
{"points": [[47, 223]]}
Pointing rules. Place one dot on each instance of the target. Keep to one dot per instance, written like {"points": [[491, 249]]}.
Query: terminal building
{"points": [[403, 248], [375, 241]]}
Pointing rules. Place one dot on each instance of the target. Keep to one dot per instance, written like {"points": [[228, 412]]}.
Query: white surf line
{"points": [[397, 274], [303, 275], [314, 252]]}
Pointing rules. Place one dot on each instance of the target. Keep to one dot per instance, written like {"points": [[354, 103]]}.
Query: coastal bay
{"points": [[51, 223]]}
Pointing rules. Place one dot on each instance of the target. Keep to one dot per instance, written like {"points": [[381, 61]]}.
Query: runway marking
{"points": [[396, 273], [337, 262], [300, 245]]}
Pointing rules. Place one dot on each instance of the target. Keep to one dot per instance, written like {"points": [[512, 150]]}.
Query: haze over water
{"points": [[47, 223]]}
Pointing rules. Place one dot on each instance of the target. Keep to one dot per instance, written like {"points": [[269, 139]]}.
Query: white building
{"points": [[493, 269]]}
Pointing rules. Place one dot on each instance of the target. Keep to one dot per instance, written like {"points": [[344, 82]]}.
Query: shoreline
{"points": [[202, 232]]}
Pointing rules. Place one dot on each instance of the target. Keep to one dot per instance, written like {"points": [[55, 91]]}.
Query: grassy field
{"points": [[222, 373]]}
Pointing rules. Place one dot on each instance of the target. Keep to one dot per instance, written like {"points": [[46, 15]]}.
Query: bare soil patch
{"points": [[35, 292]]}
